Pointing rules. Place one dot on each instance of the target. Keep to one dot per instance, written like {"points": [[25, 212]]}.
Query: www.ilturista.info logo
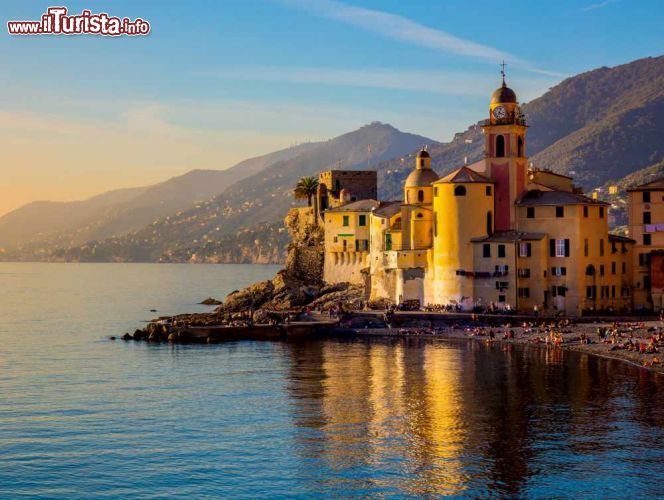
{"points": [[56, 22]]}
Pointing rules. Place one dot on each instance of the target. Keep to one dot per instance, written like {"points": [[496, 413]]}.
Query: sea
{"points": [[83, 416]]}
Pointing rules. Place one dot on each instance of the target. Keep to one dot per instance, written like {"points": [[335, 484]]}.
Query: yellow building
{"points": [[495, 234], [646, 227]]}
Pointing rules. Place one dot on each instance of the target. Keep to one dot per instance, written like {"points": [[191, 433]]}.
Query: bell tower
{"points": [[505, 153]]}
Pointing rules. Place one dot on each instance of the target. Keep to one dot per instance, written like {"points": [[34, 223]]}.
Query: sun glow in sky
{"points": [[217, 82]]}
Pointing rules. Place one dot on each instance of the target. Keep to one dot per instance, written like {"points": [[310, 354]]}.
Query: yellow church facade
{"points": [[494, 234]]}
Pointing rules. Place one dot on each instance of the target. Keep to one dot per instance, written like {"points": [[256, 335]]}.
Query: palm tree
{"points": [[305, 189]]}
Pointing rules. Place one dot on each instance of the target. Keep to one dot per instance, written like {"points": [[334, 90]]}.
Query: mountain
{"points": [[208, 229], [600, 125], [66, 224]]}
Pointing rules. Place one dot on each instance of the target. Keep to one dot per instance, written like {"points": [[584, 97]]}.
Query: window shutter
{"points": [[566, 248], [563, 271], [552, 247]]}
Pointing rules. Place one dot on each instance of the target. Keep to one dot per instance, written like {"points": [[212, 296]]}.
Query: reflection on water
{"points": [[430, 418], [85, 417]]}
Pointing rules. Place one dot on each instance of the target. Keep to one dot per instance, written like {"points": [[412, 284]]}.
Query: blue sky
{"points": [[216, 82]]}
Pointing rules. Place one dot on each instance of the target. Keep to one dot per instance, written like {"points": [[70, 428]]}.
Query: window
{"points": [[502, 285], [488, 191], [646, 282], [624, 268], [613, 268], [585, 247], [647, 219], [591, 292], [590, 270], [486, 250], [519, 146], [558, 291], [460, 191], [647, 239], [500, 146], [346, 221], [345, 245], [524, 249], [646, 197], [419, 215], [559, 248], [501, 251], [336, 239], [601, 269], [502, 268], [585, 210], [530, 212], [613, 247], [435, 191], [435, 224], [361, 245], [644, 259], [613, 291], [559, 271], [501, 298], [601, 248], [523, 273], [420, 195], [362, 220], [489, 223], [560, 212], [524, 293], [601, 212]]}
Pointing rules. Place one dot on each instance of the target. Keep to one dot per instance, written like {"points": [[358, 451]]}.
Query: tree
{"points": [[305, 189]]}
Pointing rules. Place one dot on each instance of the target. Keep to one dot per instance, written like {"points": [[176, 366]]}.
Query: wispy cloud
{"points": [[598, 5], [400, 28], [453, 83], [408, 31]]}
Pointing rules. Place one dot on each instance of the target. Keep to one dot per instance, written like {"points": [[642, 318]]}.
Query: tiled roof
{"points": [[656, 184], [356, 206], [617, 237], [388, 209], [463, 175], [509, 236], [556, 198]]}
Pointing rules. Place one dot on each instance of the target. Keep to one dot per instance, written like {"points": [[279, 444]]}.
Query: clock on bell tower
{"points": [[505, 153]]}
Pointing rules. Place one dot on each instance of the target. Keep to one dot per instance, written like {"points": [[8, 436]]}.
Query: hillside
{"points": [[47, 224], [600, 126], [226, 224]]}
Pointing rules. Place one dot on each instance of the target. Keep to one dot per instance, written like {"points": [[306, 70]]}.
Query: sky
{"points": [[217, 82]]}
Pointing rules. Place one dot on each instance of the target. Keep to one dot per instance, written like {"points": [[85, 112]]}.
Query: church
{"points": [[497, 233]]}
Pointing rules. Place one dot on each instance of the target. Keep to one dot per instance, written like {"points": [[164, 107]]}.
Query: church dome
{"points": [[423, 154], [504, 94], [421, 178]]}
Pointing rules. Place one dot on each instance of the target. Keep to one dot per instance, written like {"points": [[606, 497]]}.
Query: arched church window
{"points": [[500, 146], [460, 191], [489, 223], [420, 196], [590, 270], [519, 146]]}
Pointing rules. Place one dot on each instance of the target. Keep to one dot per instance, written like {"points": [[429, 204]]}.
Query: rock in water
{"points": [[211, 302]]}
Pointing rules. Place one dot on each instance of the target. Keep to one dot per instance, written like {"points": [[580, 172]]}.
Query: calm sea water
{"points": [[82, 416]]}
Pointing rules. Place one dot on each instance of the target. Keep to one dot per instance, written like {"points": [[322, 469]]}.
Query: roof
{"points": [[503, 94], [357, 206], [423, 154], [509, 236], [464, 175], [550, 172], [535, 197], [623, 239], [388, 209], [656, 184], [421, 177]]}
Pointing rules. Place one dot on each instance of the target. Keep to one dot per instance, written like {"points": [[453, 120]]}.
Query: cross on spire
{"points": [[502, 70]]}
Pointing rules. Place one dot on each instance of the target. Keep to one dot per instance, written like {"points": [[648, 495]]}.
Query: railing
{"points": [[508, 120]]}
